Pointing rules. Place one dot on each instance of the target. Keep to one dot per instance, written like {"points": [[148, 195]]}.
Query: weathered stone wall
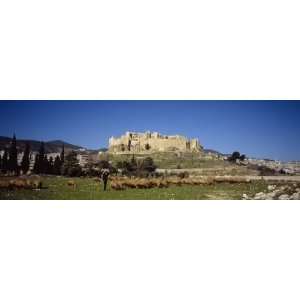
{"points": [[152, 142]]}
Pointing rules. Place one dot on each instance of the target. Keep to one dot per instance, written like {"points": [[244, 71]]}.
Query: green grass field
{"points": [[88, 188]]}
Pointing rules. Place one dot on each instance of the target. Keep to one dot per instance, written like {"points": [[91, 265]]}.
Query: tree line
{"points": [[67, 165], [9, 160], [42, 164]]}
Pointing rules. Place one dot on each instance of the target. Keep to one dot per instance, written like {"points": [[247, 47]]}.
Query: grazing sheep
{"points": [[17, 183], [142, 184], [130, 183], [71, 183], [36, 184], [152, 183], [232, 179], [21, 183], [187, 181], [178, 182], [173, 180], [115, 185], [163, 184], [204, 180], [195, 181], [4, 184]]}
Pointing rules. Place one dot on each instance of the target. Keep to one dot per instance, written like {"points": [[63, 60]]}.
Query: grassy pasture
{"points": [[88, 188]]}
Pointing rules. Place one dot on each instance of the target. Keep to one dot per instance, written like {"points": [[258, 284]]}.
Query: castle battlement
{"points": [[137, 142]]}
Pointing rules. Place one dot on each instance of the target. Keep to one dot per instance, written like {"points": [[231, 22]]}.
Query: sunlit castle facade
{"points": [[152, 142]]}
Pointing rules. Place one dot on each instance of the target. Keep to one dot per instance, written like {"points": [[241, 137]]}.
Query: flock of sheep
{"points": [[21, 183], [121, 183]]}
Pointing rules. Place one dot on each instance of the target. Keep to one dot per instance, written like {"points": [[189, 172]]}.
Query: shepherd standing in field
{"points": [[104, 175]]}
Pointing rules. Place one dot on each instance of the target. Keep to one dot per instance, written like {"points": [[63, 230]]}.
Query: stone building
{"points": [[134, 142], [83, 159]]}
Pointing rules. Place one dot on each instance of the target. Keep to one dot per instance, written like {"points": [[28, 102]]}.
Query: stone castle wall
{"points": [[152, 142]]}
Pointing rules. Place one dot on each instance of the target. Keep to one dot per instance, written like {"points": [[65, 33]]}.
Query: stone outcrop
{"points": [[134, 142], [284, 192]]}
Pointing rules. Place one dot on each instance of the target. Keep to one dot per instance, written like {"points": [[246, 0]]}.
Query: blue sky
{"points": [[269, 129]]}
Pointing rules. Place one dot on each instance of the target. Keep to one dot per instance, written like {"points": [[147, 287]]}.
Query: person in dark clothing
{"points": [[105, 175]]}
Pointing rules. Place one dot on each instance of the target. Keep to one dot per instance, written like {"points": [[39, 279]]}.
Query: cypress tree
{"points": [[5, 161], [26, 159], [46, 165], [13, 156], [133, 163], [50, 165], [57, 166], [36, 167], [62, 155], [41, 161]]}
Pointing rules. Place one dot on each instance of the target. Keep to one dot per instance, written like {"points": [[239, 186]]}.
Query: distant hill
{"points": [[50, 146], [56, 146]]}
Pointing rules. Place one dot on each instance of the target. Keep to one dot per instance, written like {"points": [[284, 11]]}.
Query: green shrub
{"points": [[74, 171]]}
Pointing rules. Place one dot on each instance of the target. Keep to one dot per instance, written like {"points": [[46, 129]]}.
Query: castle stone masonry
{"points": [[152, 142]]}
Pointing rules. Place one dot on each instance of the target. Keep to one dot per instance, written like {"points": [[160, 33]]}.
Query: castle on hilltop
{"points": [[152, 142]]}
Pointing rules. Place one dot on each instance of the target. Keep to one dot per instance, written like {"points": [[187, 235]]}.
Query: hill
{"points": [[50, 146]]}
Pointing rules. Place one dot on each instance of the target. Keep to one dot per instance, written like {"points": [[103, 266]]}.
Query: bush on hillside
{"points": [[236, 156], [142, 168]]}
